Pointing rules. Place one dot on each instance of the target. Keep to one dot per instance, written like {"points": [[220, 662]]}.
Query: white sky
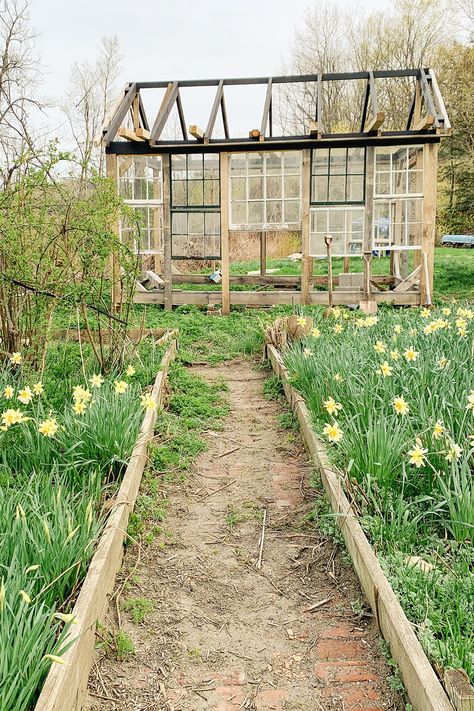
{"points": [[168, 39]]}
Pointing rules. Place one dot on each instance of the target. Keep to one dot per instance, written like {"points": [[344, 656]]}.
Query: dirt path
{"points": [[222, 635]]}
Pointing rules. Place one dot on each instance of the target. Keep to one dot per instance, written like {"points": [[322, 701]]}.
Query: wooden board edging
{"points": [[65, 686], [423, 686]]}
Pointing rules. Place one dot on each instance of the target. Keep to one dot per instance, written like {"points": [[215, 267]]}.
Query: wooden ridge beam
{"points": [[425, 123], [319, 103], [375, 122], [428, 98], [167, 104], [197, 132]]}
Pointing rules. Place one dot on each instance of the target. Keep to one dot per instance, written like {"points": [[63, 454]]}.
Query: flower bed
{"points": [[57, 470], [393, 397]]}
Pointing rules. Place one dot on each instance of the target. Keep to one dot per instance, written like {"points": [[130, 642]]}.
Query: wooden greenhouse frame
{"points": [[410, 154]]}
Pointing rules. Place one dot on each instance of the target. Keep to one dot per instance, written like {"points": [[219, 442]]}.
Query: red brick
{"points": [[270, 700], [357, 694], [344, 671], [341, 649], [340, 631]]}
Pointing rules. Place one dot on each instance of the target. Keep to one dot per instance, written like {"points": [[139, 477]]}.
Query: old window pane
{"points": [[211, 192], [238, 164], [273, 161], [212, 223], [336, 221], [337, 161], [239, 213], [238, 188], [355, 160], [292, 161], [355, 188], [179, 223], [255, 188], [195, 192], [320, 188], [255, 212], [320, 161], [292, 186], [178, 189], [273, 187], [178, 167], [336, 188], [399, 185], [255, 163], [211, 165], [292, 211], [195, 223], [274, 214], [195, 166]]}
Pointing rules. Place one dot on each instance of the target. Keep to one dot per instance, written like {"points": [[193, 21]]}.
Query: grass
{"points": [[410, 473]]}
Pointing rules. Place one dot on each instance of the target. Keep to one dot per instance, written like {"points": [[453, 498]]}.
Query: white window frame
{"points": [[346, 208], [391, 172]]}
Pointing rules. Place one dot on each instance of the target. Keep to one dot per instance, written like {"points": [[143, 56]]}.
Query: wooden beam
{"points": [[459, 689], [225, 257], [167, 264], [135, 109], [439, 101], [129, 134], [143, 116], [319, 102], [427, 96], [157, 280], [266, 109], [430, 174], [215, 108], [314, 129], [375, 122], [373, 95], [425, 123], [409, 281], [197, 132], [224, 117], [182, 121], [121, 112], [143, 133], [140, 287], [307, 262], [167, 104], [368, 223]]}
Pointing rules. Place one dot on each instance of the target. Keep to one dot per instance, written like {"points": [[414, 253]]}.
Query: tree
{"points": [[95, 85], [18, 76]]}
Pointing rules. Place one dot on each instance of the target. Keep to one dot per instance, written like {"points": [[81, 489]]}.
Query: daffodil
{"points": [[16, 358], [394, 355], [32, 568], [470, 401], [130, 371], [454, 452], [425, 313], [338, 328], [24, 596], [331, 406], [461, 323], [315, 332], [38, 388], [80, 394], [411, 355], [443, 363], [438, 429], [301, 321], [25, 396], [120, 386], [371, 321], [338, 377], [69, 619], [54, 658], [333, 432], [336, 312], [96, 380], [79, 407], [307, 352], [148, 402], [400, 405], [8, 392], [412, 332], [379, 347], [417, 454], [12, 417], [447, 311], [49, 427], [428, 329], [397, 328], [385, 369]]}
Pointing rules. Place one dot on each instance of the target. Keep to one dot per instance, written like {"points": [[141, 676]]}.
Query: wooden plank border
{"points": [[423, 686], [65, 685]]}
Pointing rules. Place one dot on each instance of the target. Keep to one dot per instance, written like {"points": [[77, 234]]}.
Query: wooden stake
{"points": [[307, 262], [225, 266], [167, 264], [262, 541], [430, 165]]}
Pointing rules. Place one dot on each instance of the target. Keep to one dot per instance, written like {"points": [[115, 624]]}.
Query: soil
{"points": [[224, 635]]}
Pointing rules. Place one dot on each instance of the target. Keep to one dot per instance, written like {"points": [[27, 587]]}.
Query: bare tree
{"points": [[91, 91], [18, 76]]}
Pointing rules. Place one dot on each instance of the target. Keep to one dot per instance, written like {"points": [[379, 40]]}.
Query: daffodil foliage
{"points": [[59, 461], [393, 397]]}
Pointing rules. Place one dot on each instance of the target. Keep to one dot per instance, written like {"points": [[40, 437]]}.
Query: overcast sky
{"points": [[175, 39]]}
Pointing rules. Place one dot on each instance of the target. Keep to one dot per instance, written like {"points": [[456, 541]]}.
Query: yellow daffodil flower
{"points": [[8, 392], [338, 328], [331, 406], [120, 386], [96, 380], [49, 427], [454, 452], [411, 355], [397, 328], [315, 332], [38, 388], [443, 363], [301, 321], [336, 312], [307, 352], [333, 432], [130, 371], [24, 596], [79, 407], [338, 378], [379, 347], [25, 396], [425, 313], [417, 454], [400, 405], [12, 417], [470, 401], [385, 369], [148, 402], [16, 358], [438, 429], [394, 355], [80, 394]]}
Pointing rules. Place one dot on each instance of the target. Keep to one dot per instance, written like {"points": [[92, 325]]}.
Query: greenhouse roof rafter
{"points": [[128, 131]]}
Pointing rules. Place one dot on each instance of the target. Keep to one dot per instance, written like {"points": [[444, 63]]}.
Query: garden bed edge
{"points": [[65, 685]]}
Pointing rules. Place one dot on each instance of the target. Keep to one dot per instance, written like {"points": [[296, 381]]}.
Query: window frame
{"points": [[346, 208], [346, 174]]}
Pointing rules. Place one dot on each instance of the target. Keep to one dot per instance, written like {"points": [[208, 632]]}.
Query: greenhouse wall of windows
{"points": [[212, 209]]}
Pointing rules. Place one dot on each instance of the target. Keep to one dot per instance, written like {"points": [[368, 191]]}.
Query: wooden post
{"points": [[224, 175], [263, 253], [167, 270], [368, 304], [307, 262], [430, 166], [111, 171], [346, 264]]}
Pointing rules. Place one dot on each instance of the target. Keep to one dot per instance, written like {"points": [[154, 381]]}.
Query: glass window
{"points": [[399, 170], [195, 180], [265, 190], [398, 223], [195, 235], [141, 230], [338, 175], [140, 178], [345, 224]]}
